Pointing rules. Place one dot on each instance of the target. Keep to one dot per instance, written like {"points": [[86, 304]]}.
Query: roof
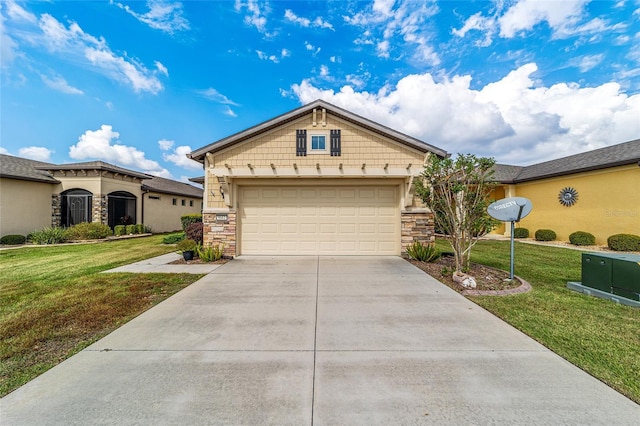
{"points": [[602, 158], [24, 169], [95, 165], [198, 179], [168, 186], [297, 113]]}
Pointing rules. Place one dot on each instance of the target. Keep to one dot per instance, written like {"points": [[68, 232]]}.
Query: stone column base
{"points": [[214, 233], [416, 225]]}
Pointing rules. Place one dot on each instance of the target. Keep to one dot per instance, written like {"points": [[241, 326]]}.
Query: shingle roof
{"points": [[24, 169], [295, 114], [167, 186], [610, 156], [95, 165]]}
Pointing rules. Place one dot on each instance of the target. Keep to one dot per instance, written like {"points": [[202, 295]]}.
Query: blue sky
{"points": [[142, 83]]}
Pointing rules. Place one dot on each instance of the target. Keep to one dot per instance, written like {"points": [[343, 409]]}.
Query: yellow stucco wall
{"points": [[608, 203], [24, 206], [163, 216], [278, 147]]}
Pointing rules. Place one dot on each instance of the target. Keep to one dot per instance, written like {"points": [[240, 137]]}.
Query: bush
{"points": [[520, 233], [545, 235], [624, 242], [49, 235], [88, 231], [194, 232], [581, 238], [119, 230], [428, 253], [130, 229], [186, 245], [140, 228], [210, 254], [13, 239], [189, 219], [173, 238]]}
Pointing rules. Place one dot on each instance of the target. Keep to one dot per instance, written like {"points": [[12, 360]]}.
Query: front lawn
{"points": [[54, 302], [599, 336]]}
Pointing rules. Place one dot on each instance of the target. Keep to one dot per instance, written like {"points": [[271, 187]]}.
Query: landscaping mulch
{"points": [[488, 279], [197, 261]]}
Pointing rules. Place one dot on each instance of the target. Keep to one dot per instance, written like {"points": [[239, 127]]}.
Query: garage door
{"points": [[348, 220]]}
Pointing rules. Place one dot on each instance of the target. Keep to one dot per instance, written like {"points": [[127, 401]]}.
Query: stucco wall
{"points": [[162, 216], [608, 203], [278, 147], [24, 206]]}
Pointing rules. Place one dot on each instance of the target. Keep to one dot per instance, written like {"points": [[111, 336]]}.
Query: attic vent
{"points": [[335, 143], [301, 143]]}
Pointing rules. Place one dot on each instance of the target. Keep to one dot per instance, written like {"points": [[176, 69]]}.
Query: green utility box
{"points": [[614, 273]]}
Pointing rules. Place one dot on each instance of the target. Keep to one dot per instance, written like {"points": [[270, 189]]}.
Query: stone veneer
{"points": [[416, 226], [56, 210], [220, 233], [99, 209]]}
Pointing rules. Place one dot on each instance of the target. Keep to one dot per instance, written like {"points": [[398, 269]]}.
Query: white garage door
{"points": [[349, 220]]}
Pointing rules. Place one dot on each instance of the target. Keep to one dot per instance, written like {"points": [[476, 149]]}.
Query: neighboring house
{"points": [[34, 194], [596, 191], [316, 180]]}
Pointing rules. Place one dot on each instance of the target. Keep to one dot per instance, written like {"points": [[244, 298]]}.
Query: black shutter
{"points": [[301, 143], [335, 143]]}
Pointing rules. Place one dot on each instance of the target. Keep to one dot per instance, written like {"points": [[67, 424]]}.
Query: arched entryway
{"points": [[76, 207], [122, 208]]}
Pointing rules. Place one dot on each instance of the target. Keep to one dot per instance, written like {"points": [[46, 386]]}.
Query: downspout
{"points": [[144, 191]]}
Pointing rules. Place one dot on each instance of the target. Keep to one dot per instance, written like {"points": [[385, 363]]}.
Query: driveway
{"points": [[316, 341]]}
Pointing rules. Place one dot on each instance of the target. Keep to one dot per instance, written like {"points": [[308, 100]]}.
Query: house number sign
{"points": [[222, 218]]}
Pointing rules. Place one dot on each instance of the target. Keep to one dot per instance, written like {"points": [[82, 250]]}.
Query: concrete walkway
{"points": [[316, 341], [161, 264]]}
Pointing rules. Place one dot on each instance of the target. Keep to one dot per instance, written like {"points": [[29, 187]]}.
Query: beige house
{"points": [[34, 194], [316, 180]]}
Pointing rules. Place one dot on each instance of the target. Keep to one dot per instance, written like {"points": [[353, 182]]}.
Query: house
{"points": [[35, 194], [317, 180], [596, 192]]}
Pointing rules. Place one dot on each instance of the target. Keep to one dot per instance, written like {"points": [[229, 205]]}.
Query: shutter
{"points": [[301, 143], [335, 143]]}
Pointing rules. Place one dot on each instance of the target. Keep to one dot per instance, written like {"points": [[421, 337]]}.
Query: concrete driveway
{"points": [[316, 341]]}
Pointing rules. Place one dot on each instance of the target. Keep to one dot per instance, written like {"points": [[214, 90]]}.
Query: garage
{"points": [[319, 220]]}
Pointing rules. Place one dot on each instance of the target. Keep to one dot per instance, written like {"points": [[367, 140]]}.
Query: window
{"points": [[183, 203], [318, 143], [190, 203], [174, 201], [76, 207], [154, 197], [121, 207]]}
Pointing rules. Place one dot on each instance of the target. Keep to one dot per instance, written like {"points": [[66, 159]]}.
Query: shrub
{"points": [[545, 235], [173, 238], [130, 229], [140, 228], [13, 239], [520, 233], [189, 219], [49, 235], [119, 230], [428, 253], [210, 254], [624, 242], [194, 232], [88, 231], [581, 238], [186, 245]]}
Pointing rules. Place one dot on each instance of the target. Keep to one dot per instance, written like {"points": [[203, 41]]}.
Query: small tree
{"points": [[457, 191]]}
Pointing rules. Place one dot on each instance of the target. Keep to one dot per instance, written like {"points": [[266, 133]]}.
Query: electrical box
{"points": [[618, 274]]}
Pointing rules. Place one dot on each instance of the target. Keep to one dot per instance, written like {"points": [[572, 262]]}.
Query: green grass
{"points": [[54, 302], [599, 336]]}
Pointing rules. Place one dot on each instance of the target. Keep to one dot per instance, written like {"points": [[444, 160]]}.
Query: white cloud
{"points": [[162, 15], [17, 13], [60, 84], [213, 95], [315, 50], [318, 22], [284, 53], [514, 119], [400, 23], [161, 68], [228, 111], [256, 13], [4, 151], [179, 158], [324, 71], [165, 145], [102, 144], [273, 58], [588, 62], [38, 153]]}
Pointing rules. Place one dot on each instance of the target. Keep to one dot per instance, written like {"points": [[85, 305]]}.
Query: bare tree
{"points": [[457, 191]]}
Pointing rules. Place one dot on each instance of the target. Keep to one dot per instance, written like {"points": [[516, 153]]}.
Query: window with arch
{"points": [[76, 207], [121, 208]]}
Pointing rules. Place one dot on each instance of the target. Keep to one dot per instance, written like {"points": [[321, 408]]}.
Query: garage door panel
{"points": [[319, 220]]}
